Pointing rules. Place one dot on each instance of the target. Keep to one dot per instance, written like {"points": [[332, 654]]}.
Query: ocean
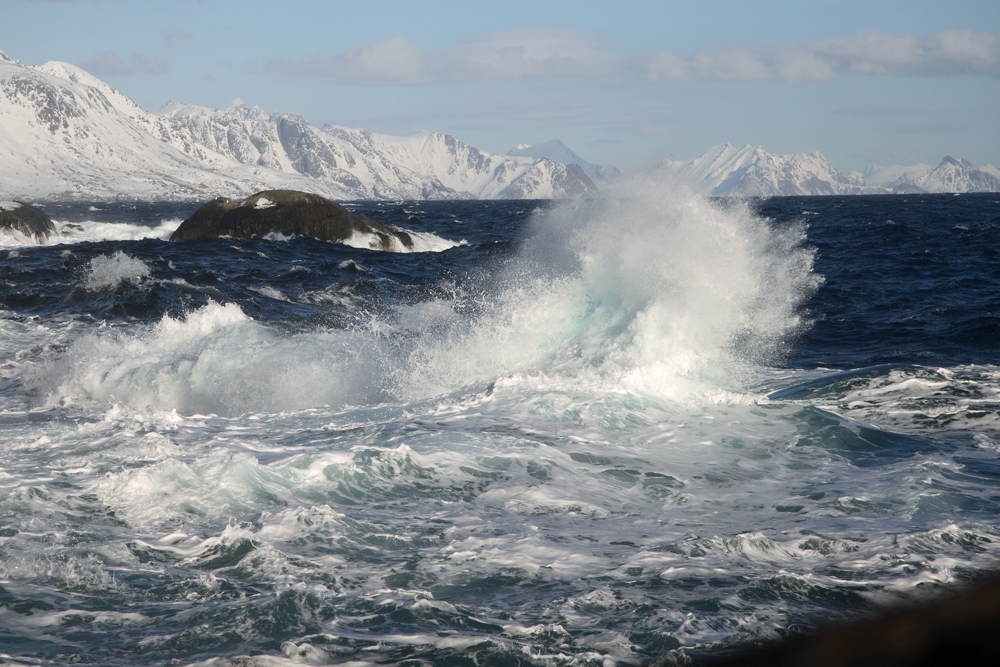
{"points": [[603, 432]]}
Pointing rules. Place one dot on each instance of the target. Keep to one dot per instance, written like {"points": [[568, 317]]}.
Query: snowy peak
{"points": [[891, 177], [67, 134], [958, 163], [951, 175], [557, 151], [751, 171], [959, 175]]}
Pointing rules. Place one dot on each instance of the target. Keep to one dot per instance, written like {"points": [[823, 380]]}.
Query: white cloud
{"points": [[946, 53], [498, 56], [801, 65], [396, 58], [872, 52], [965, 52], [548, 53], [393, 60], [109, 63], [729, 65], [520, 54]]}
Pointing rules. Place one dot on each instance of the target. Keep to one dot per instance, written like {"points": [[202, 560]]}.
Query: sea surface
{"points": [[599, 432]]}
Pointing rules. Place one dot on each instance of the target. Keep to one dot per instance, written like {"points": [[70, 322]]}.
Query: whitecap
{"points": [[109, 271]]}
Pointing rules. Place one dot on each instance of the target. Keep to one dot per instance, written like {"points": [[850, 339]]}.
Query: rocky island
{"points": [[27, 219], [289, 213]]}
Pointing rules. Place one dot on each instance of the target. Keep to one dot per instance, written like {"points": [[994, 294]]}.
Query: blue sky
{"points": [[623, 83]]}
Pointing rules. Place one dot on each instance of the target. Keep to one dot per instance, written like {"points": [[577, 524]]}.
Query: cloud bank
{"points": [[542, 53]]}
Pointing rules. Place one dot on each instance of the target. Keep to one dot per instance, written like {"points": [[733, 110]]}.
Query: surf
{"points": [[651, 290]]}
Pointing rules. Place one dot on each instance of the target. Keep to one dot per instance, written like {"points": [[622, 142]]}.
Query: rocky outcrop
{"points": [[25, 218], [960, 629], [289, 213]]}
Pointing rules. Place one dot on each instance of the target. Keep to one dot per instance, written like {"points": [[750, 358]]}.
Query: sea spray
{"points": [[651, 289], [108, 272], [215, 360], [464, 457]]}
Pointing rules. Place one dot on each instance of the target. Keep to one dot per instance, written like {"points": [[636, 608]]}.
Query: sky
{"points": [[626, 83]]}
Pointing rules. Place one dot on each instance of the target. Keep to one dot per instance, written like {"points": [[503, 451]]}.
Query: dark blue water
{"points": [[909, 278], [588, 433]]}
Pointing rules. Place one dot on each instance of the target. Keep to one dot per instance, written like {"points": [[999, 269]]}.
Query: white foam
{"points": [[270, 293], [908, 398], [93, 230], [110, 271], [422, 242], [216, 360], [652, 289]]}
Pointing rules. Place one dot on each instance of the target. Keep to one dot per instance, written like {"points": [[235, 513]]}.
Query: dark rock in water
{"points": [[206, 221], [961, 629], [287, 212], [25, 218]]}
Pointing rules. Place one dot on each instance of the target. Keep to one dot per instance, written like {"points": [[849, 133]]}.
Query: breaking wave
{"points": [[651, 290]]}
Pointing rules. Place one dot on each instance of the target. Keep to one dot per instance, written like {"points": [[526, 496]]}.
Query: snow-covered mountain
{"points": [[557, 151], [748, 171], [952, 175], [753, 172], [959, 175], [66, 134]]}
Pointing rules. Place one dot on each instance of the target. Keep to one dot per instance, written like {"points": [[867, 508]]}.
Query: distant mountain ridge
{"points": [[728, 171], [558, 152], [65, 134]]}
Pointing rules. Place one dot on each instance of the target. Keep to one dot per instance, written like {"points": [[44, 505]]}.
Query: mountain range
{"points": [[728, 171], [557, 151], [66, 134]]}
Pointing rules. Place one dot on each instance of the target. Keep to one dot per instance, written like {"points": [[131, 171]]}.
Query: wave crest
{"points": [[651, 290]]}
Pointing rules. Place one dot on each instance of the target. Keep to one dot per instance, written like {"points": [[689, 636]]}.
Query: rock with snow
{"points": [[288, 213], [26, 219], [206, 222], [65, 134]]}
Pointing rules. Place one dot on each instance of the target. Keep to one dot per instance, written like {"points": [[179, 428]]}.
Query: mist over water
{"points": [[592, 432]]}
